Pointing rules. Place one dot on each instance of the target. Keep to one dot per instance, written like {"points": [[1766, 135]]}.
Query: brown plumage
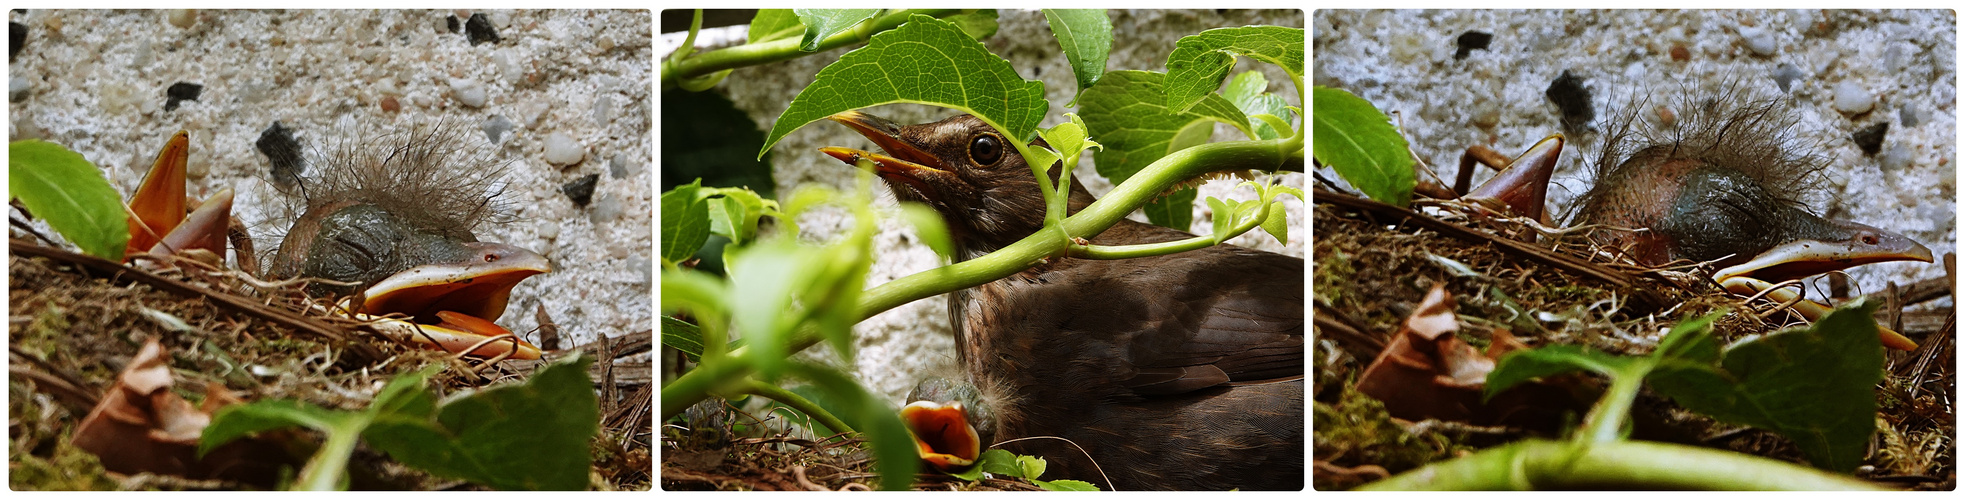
{"points": [[1178, 372]]}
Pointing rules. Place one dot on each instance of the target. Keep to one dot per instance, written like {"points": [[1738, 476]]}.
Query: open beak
{"points": [[942, 434], [455, 303], [203, 230], [1808, 257], [1523, 187], [157, 207], [904, 162]]}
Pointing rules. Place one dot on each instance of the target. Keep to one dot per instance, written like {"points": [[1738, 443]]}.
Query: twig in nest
{"points": [[1646, 297], [1798, 297], [363, 352]]}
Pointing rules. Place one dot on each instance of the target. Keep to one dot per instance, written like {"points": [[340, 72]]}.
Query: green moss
{"points": [[1357, 430], [1571, 294], [1333, 275], [43, 335]]}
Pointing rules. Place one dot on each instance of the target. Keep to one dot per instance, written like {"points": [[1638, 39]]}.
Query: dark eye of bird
{"points": [[986, 149]]}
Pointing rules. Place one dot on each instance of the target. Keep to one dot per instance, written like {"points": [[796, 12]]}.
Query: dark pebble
{"points": [[451, 22], [1471, 41], [16, 36], [181, 91], [279, 146], [1870, 138], [1785, 75], [480, 29], [1574, 100], [581, 190], [1680, 53]]}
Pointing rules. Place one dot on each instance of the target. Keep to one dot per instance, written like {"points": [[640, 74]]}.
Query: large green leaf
{"points": [[927, 61], [774, 24], [1200, 61], [1086, 37], [1125, 113], [1816, 386], [63, 188], [532, 435], [1354, 138], [821, 24]]}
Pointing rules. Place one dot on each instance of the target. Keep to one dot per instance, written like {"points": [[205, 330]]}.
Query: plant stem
{"points": [[1553, 465], [325, 471], [1606, 422], [1166, 172], [1103, 252], [777, 50], [797, 402]]}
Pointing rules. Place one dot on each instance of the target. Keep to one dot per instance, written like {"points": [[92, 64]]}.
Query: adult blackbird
{"points": [[1177, 372], [392, 222]]}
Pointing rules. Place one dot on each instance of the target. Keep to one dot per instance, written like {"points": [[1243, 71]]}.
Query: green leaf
{"points": [[533, 435], [1064, 485], [979, 24], [1086, 37], [1354, 138], [1000, 462], [1278, 223], [63, 188], [1069, 138], [1249, 92], [762, 299], [928, 224], [1199, 62], [773, 24], [688, 338], [926, 61], [1175, 210], [1033, 467], [821, 24], [996, 461], [1224, 217], [1125, 112], [405, 395], [1690, 341], [735, 214], [1816, 386], [685, 222], [236, 421], [1521, 366]]}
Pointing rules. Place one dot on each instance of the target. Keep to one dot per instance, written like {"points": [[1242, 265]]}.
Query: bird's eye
{"points": [[986, 149]]}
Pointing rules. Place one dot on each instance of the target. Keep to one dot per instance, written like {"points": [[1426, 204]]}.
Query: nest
{"points": [[77, 321], [1374, 263]]}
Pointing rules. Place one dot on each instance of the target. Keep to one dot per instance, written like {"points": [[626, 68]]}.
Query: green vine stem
{"points": [[797, 402], [1555, 465], [707, 63], [1149, 182], [1104, 252]]}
